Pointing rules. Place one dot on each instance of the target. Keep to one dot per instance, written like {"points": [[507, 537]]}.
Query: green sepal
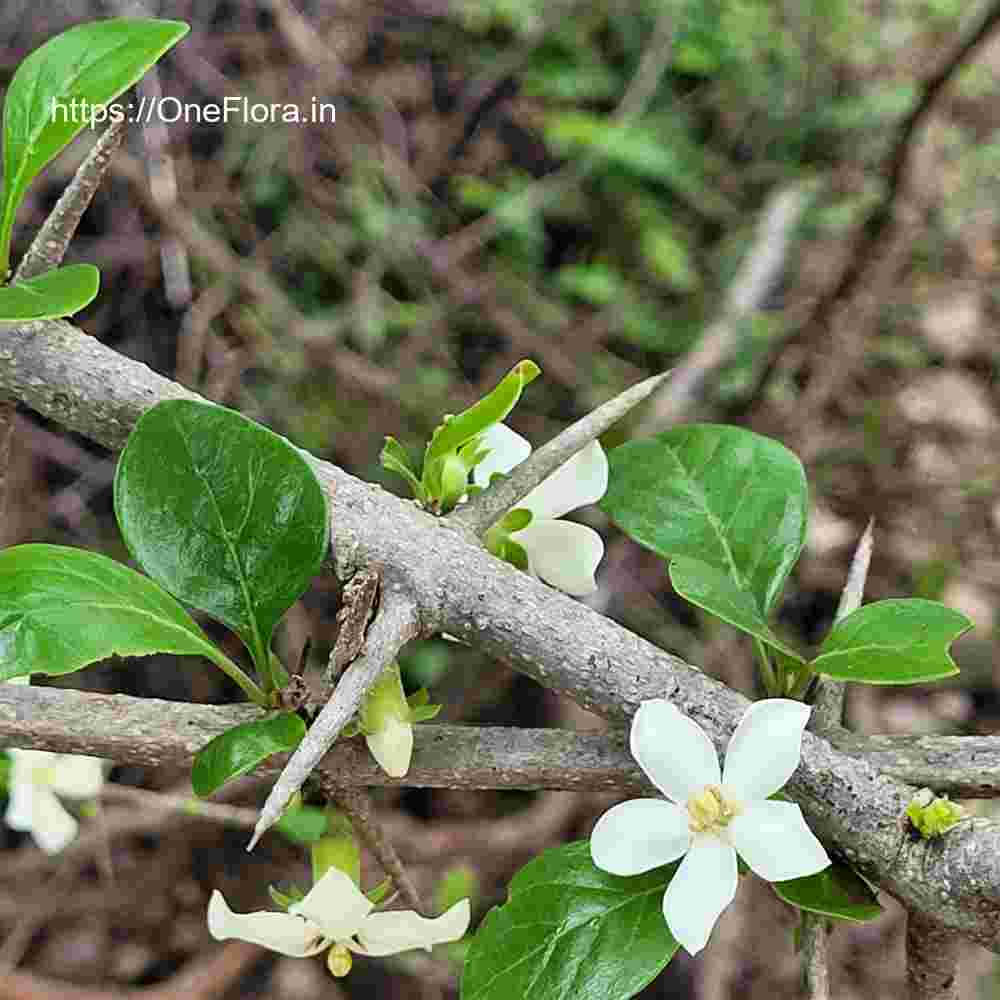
{"points": [[287, 898], [379, 893], [516, 520], [395, 458], [424, 713]]}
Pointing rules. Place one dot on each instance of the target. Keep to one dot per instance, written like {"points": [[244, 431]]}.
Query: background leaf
{"points": [[61, 292], [62, 609], [837, 891], [900, 641], [93, 62], [571, 930], [722, 495], [242, 748], [223, 513]]}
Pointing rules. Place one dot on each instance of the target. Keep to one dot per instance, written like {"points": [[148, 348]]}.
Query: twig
{"points": [[828, 696], [758, 275], [931, 959], [358, 807], [895, 167], [217, 812], [51, 241], [395, 624], [488, 507]]}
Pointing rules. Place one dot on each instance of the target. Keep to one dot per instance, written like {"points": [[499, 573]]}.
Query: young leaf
{"points": [[836, 891], [242, 748], [715, 591], [61, 292], [723, 495], [490, 410], [223, 513], [900, 641], [571, 930], [91, 64], [62, 609], [394, 457]]}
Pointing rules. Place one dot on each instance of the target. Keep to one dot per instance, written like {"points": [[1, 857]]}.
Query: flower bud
{"points": [[339, 961], [386, 721]]}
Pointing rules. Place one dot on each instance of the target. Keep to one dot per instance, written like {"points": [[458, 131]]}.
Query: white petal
{"points": [[402, 930], [581, 480], [335, 905], [20, 805], [281, 932], [673, 750], [77, 776], [507, 449], [773, 839], [705, 884], [765, 748], [392, 746], [563, 554], [640, 835], [52, 827]]}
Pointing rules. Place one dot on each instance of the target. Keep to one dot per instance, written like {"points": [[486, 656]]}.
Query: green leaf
{"points": [[571, 930], [242, 748], [286, 899], [836, 891], [722, 495], [713, 590], [490, 410], [223, 513], [424, 713], [900, 641], [61, 292], [91, 64], [395, 458], [304, 824], [62, 609]]}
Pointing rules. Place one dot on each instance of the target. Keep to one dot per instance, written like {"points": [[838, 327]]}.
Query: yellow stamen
{"points": [[339, 961], [710, 810]]}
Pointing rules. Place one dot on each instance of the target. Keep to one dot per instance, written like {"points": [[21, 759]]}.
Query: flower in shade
{"points": [[711, 817], [336, 914], [38, 779], [562, 553]]}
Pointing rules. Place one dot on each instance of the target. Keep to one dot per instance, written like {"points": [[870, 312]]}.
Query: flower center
{"points": [[710, 811], [339, 961]]}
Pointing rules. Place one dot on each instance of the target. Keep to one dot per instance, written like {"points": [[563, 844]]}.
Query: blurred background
{"points": [[602, 187]]}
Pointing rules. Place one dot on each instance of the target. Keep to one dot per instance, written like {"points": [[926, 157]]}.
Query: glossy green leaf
{"points": [[490, 410], [223, 513], [722, 495], [61, 292], [837, 891], [900, 641], [715, 591], [242, 748], [62, 609], [91, 64], [569, 929]]}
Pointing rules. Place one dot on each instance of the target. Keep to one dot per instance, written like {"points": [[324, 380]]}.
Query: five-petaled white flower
{"points": [[562, 553], [37, 778], [336, 914], [711, 817]]}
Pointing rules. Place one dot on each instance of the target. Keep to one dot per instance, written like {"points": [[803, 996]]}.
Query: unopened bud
{"points": [[339, 961]]}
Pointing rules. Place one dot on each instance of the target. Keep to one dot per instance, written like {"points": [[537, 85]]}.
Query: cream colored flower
{"points": [[336, 914], [711, 817], [562, 553]]}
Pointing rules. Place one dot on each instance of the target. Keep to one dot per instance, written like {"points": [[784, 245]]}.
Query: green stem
{"points": [[253, 690], [771, 683]]}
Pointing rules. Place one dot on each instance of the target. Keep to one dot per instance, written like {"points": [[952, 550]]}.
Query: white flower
{"points": [[37, 778], [710, 818], [392, 746], [336, 914], [562, 553]]}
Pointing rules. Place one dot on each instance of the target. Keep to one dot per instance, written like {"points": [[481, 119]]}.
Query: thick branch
{"points": [[561, 643]]}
